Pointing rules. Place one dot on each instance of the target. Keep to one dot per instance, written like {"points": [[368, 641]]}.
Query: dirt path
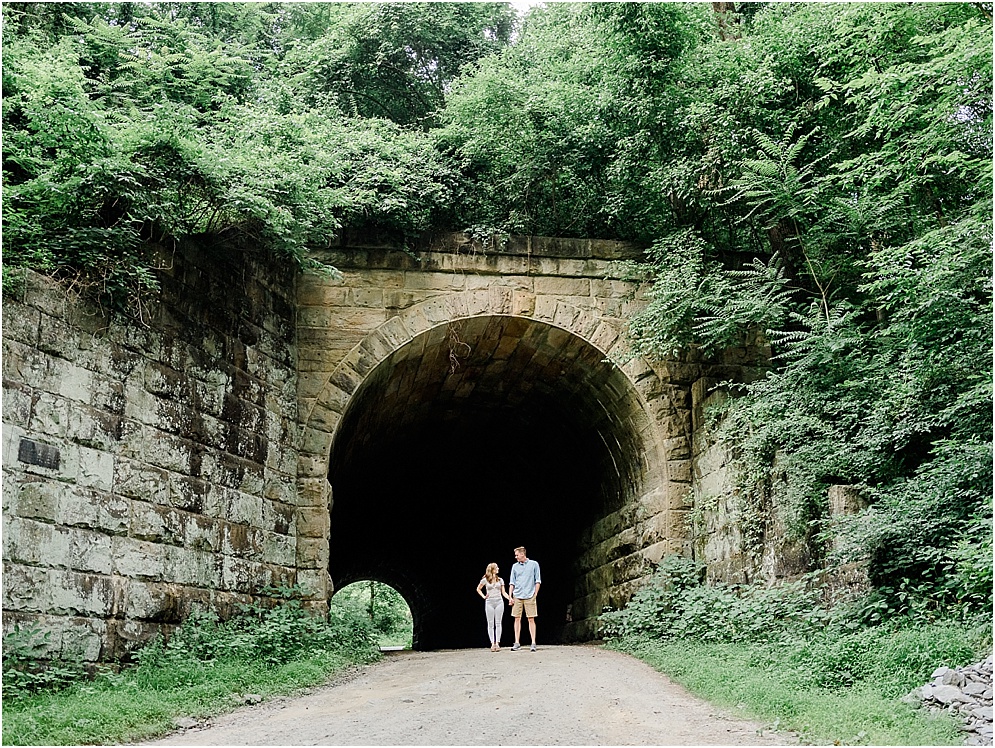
{"points": [[568, 695]]}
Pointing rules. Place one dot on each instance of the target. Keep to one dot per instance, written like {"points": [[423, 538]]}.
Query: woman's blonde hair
{"points": [[490, 574]]}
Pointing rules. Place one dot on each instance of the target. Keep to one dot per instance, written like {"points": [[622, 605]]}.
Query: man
{"points": [[523, 589]]}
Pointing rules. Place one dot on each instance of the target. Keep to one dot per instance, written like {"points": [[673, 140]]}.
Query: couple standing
{"points": [[523, 589]]}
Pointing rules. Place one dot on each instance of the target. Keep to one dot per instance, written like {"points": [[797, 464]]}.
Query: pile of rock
{"points": [[964, 691]]}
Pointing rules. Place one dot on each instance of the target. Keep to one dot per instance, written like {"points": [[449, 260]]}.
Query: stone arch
{"points": [[323, 414], [628, 536]]}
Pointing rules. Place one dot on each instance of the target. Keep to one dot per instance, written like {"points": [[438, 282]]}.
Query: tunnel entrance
{"points": [[473, 438], [384, 607]]}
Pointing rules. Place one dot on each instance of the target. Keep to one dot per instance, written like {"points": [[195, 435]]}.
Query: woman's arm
{"points": [[479, 587], [504, 590]]}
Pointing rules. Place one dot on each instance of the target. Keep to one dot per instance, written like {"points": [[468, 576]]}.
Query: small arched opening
{"points": [[385, 608]]}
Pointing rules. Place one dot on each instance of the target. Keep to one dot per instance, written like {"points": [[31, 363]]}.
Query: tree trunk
{"points": [[727, 20]]}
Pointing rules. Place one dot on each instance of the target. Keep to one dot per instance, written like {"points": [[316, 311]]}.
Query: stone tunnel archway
{"points": [[480, 433]]}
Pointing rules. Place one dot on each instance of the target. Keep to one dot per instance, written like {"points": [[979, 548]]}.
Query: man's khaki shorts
{"points": [[529, 605]]}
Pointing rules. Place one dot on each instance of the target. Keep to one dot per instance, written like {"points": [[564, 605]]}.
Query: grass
{"points": [[203, 669], [835, 689], [142, 702], [397, 639], [839, 686]]}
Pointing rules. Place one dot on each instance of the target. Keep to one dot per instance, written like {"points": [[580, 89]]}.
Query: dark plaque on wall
{"points": [[34, 453]]}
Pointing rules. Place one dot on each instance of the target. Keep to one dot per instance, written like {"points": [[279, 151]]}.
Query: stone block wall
{"points": [[717, 519], [148, 468], [533, 277], [716, 535], [183, 461]]}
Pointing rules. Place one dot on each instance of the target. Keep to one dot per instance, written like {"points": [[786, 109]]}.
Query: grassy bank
{"points": [[842, 689], [206, 667], [833, 675], [141, 703]]}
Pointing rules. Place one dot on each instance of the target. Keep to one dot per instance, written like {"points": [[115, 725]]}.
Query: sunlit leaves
{"points": [[777, 183], [562, 134], [696, 302], [861, 157], [130, 124], [392, 60]]}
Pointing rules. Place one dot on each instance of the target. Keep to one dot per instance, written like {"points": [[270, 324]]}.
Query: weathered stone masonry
{"points": [[175, 482], [552, 303], [223, 447]]}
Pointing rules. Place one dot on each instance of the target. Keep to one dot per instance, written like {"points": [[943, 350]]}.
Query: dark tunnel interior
{"points": [[460, 447]]}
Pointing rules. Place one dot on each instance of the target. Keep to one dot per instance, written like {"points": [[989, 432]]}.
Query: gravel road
{"points": [[559, 695]]}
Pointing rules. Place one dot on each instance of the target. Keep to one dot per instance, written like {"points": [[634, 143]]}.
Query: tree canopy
{"points": [[271, 124], [821, 173]]}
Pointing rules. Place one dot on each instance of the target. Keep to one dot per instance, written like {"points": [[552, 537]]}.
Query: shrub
{"points": [[655, 608], [787, 630], [273, 634], [675, 605], [26, 669]]}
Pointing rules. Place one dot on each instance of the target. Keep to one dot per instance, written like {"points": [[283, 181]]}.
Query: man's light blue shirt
{"points": [[524, 578]]}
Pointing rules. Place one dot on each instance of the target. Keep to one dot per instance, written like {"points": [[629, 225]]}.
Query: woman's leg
{"points": [[492, 621], [498, 615]]}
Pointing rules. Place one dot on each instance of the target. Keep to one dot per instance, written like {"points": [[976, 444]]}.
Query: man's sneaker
{"points": [[533, 649], [515, 647]]}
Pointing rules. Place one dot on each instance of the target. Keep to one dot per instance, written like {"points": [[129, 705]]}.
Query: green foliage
{"points": [[274, 634], [875, 211], [271, 634], [773, 183], [780, 653], [673, 604], [816, 173], [62, 178], [127, 127], [381, 605], [27, 669], [141, 703], [392, 60], [657, 604], [931, 536], [802, 686], [695, 302], [896, 657], [554, 135], [198, 670]]}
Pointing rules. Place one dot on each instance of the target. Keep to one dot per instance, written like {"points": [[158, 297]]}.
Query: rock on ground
{"points": [[964, 691]]}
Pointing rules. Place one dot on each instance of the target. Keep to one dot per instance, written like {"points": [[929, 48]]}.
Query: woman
{"points": [[491, 589]]}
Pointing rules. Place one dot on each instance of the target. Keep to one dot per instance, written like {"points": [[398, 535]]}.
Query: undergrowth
{"points": [[204, 668], [778, 655]]}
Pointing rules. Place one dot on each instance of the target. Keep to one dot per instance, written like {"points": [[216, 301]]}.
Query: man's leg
{"points": [[518, 629], [532, 630]]}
